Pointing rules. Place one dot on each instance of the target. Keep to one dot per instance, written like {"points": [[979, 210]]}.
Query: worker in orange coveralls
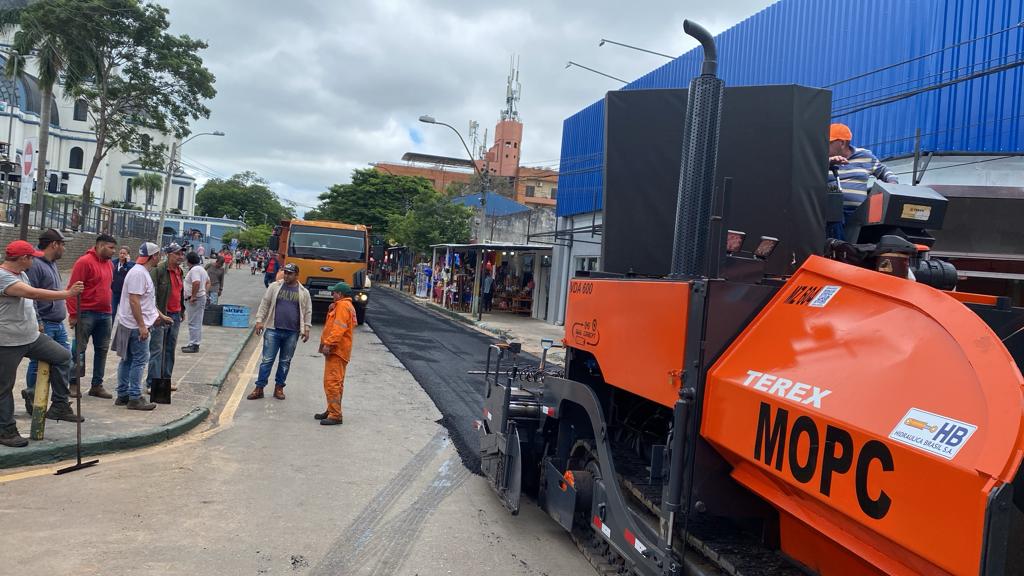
{"points": [[336, 346]]}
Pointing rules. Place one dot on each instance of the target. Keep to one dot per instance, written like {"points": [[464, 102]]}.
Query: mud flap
{"points": [[513, 473], [559, 497]]}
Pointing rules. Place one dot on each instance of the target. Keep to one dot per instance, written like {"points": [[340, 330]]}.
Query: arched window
{"points": [[75, 161], [181, 197], [128, 192], [81, 110]]}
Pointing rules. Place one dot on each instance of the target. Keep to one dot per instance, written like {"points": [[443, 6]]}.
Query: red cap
{"points": [[20, 248]]}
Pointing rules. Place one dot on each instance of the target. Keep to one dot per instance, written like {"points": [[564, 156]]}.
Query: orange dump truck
{"points": [[326, 253]]}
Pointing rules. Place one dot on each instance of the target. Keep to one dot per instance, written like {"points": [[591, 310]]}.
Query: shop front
{"points": [[491, 278]]}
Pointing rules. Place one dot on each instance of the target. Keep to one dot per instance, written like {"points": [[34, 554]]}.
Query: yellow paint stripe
{"points": [[224, 421]]}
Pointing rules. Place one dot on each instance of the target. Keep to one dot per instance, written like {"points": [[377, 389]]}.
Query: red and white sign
{"points": [[27, 161]]}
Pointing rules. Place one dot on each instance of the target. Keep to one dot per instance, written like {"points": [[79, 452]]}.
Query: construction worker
{"points": [[855, 167], [336, 346]]}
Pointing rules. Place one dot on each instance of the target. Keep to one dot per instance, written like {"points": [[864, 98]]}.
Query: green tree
{"points": [[150, 182], [145, 79], [49, 32], [498, 184], [244, 196], [372, 198], [431, 219], [254, 237]]}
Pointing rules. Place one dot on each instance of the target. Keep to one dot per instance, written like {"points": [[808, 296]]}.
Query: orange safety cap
{"points": [[839, 132]]}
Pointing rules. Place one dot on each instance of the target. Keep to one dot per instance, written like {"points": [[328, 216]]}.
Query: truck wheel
{"points": [[360, 315]]}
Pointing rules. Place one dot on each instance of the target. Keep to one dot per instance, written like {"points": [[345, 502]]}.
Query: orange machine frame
{"points": [[655, 324], [876, 351]]}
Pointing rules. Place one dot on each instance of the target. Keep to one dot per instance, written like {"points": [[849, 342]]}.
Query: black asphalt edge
{"points": [[442, 311], [106, 444]]}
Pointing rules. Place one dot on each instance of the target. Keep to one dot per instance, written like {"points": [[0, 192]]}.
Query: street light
{"points": [[175, 148], [570, 64], [485, 182], [605, 40]]}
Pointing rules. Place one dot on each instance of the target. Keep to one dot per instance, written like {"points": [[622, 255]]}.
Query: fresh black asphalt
{"points": [[439, 352]]}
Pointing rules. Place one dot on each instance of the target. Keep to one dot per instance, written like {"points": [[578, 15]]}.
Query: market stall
{"points": [[509, 278]]}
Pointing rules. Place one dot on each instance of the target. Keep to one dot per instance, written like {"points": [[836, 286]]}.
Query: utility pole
{"points": [[167, 191]]}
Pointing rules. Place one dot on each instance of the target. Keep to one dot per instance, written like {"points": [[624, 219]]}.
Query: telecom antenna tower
{"points": [[513, 91]]}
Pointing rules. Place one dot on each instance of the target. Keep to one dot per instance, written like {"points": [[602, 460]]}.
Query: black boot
{"points": [[140, 404], [321, 415], [28, 396], [64, 412], [330, 422], [11, 437]]}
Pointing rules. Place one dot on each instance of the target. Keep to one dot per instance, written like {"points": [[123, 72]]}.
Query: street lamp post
{"points": [[175, 149], [485, 181], [570, 64]]}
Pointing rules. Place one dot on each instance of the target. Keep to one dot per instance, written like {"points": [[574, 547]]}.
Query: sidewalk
{"points": [[108, 428], [523, 329]]}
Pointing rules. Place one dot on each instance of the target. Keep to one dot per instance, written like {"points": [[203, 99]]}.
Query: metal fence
{"points": [[66, 213]]}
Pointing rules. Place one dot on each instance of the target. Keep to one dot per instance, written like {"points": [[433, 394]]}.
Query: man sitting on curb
{"points": [[336, 346], [20, 337], [286, 310], [136, 314]]}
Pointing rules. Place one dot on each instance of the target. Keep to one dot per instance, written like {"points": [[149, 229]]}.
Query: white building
{"points": [[72, 143]]}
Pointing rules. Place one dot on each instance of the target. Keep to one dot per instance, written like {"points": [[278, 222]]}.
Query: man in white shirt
{"points": [[195, 301], [136, 314]]}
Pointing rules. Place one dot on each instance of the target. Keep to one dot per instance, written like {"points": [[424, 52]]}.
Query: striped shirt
{"points": [[854, 175]]}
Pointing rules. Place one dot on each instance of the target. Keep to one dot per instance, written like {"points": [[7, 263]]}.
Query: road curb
{"points": [[30, 456], [441, 310]]}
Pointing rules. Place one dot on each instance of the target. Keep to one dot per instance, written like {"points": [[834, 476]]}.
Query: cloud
{"points": [[309, 90]]}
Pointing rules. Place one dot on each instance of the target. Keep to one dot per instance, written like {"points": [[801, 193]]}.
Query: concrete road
{"points": [[268, 491]]}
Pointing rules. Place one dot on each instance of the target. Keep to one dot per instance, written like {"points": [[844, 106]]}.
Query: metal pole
{"points": [[477, 308], [167, 191]]}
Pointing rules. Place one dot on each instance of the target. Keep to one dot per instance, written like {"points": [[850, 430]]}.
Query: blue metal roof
{"points": [[816, 43], [497, 205]]}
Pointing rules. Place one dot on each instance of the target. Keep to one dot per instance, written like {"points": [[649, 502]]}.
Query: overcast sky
{"points": [[309, 90]]}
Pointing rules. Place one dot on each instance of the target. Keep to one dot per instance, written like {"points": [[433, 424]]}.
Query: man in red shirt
{"points": [[95, 270], [170, 300]]}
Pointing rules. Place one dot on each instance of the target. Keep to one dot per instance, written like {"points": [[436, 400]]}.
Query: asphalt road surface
{"points": [[439, 353], [265, 490]]}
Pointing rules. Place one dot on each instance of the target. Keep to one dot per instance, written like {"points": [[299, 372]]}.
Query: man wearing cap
{"points": [[286, 313], [170, 300], [137, 313], [855, 167], [95, 270], [336, 346], [20, 337], [51, 313]]}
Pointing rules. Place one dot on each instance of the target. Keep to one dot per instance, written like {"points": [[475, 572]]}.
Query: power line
{"points": [[923, 56], [939, 86], [960, 164]]}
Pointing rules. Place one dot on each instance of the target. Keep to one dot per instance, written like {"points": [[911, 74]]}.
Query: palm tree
{"points": [[46, 31], [150, 182]]}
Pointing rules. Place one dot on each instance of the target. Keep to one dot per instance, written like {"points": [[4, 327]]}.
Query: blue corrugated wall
{"points": [[817, 43]]}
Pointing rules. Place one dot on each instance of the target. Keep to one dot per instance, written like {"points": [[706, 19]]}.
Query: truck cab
{"points": [[326, 253]]}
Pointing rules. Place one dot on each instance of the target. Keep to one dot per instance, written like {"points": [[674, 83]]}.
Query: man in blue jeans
{"points": [[50, 313], [95, 270], [137, 313], [285, 314]]}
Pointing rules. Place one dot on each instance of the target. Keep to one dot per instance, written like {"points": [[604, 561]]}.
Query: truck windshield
{"points": [[327, 244]]}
